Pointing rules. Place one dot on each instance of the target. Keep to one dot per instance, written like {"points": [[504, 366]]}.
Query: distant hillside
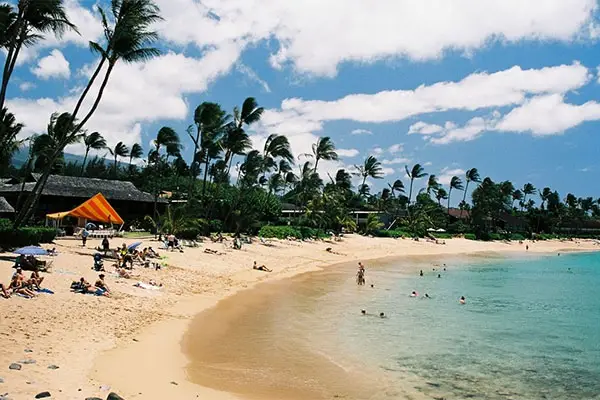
{"points": [[20, 157]]}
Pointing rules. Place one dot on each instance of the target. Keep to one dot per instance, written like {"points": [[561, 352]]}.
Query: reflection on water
{"points": [[529, 330]]}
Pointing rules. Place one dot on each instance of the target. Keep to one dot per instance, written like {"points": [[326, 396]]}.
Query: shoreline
{"points": [[132, 344]]}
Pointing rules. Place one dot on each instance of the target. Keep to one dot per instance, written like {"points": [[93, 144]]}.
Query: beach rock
{"points": [[43, 395], [114, 396], [15, 366], [53, 366]]}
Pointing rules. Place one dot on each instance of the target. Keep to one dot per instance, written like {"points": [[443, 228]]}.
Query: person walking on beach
{"points": [[84, 236], [360, 275]]}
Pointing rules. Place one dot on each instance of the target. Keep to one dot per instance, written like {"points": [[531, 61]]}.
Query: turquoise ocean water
{"points": [[530, 328]]}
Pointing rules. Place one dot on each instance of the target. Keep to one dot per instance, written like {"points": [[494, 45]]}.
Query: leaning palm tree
{"points": [[25, 27], [236, 141], [472, 175], [432, 184], [324, 149], [94, 141], [417, 172], [276, 147], [120, 150], [371, 167], [455, 184], [516, 196], [545, 195], [9, 142], [397, 186], [130, 40], [136, 152], [168, 139]]}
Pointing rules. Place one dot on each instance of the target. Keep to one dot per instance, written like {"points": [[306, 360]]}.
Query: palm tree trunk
{"points": [[87, 88], [98, 98], [449, 195], [87, 150], [316, 164], [464, 198], [11, 58], [115, 167], [410, 191], [205, 176]]}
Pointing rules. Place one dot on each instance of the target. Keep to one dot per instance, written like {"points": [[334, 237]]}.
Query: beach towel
{"points": [[44, 290], [24, 296]]}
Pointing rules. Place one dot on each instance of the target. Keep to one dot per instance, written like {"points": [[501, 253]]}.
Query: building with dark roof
{"points": [[63, 193], [6, 210]]}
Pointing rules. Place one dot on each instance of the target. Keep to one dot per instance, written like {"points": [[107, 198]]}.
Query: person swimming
{"points": [[421, 273], [462, 300], [414, 294], [382, 315], [363, 311], [427, 296], [439, 275]]}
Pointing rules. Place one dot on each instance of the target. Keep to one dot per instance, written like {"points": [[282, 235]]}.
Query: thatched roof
{"points": [[72, 186], [5, 207]]}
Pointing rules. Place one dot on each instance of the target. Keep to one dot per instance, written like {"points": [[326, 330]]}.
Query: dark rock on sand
{"points": [[53, 366], [114, 396], [43, 395], [15, 366]]}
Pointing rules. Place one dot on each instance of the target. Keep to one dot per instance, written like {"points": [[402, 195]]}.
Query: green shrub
{"points": [[517, 237], [397, 233], [5, 224], [470, 236], [215, 225], [298, 232], [442, 235], [25, 236]]}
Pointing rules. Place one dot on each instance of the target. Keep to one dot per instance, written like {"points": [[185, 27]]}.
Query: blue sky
{"points": [[509, 87]]}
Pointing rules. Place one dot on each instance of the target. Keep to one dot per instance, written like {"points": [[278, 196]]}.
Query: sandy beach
{"points": [[130, 343]]}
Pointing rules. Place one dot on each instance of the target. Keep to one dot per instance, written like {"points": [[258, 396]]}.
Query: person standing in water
{"points": [[360, 275], [421, 273], [462, 300]]}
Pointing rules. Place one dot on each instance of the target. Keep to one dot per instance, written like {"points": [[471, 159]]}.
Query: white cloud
{"points": [[423, 128], [387, 171], [428, 163], [395, 148], [397, 160], [361, 132], [253, 76], [372, 31], [447, 173], [548, 115], [25, 86], [472, 129], [136, 93], [347, 152], [54, 65], [377, 151]]}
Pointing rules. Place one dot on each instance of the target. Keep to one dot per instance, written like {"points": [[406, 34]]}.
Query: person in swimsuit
{"points": [[462, 300], [261, 267]]}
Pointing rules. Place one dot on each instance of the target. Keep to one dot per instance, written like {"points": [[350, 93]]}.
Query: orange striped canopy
{"points": [[95, 209]]}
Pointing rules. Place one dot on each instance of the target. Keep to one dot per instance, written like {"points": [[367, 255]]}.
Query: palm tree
{"points": [[236, 141], [516, 196], [417, 172], [136, 152], [397, 186], [528, 189], [129, 40], [371, 167], [324, 149], [9, 142], [545, 195], [92, 141], [455, 184], [120, 150], [276, 147], [169, 139], [441, 195], [26, 27], [432, 184], [472, 175]]}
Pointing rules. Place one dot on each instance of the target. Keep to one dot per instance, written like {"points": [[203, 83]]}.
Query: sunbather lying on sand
{"points": [[211, 251], [85, 287], [124, 274], [261, 267], [330, 250]]}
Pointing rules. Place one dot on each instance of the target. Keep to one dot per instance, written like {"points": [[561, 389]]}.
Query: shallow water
{"points": [[530, 330]]}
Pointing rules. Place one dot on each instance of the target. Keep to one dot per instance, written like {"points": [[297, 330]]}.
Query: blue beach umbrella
{"points": [[133, 246], [31, 251]]}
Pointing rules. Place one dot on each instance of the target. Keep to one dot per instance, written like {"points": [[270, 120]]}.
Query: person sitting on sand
{"points": [[462, 300], [19, 286], [101, 285], [152, 253], [36, 280], [5, 291], [261, 267]]}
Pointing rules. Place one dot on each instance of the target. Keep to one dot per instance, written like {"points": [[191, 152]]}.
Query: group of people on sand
{"points": [[99, 288], [21, 285]]}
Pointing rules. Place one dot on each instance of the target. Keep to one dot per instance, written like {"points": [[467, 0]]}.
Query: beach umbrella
{"points": [[90, 226], [133, 246], [31, 251]]}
